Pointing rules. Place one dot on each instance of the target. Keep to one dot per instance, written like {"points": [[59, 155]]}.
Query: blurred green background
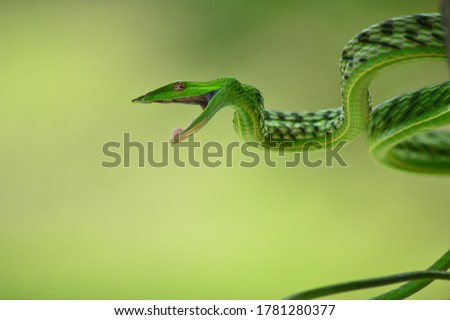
{"points": [[71, 229]]}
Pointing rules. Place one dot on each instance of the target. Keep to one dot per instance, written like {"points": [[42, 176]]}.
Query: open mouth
{"points": [[180, 134]]}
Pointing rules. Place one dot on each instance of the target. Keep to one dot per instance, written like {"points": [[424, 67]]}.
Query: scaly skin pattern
{"points": [[399, 130]]}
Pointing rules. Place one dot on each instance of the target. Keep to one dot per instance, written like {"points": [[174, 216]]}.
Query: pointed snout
{"points": [[139, 99]]}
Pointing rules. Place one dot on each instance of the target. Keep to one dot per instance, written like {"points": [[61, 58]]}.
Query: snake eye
{"points": [[179, 86]]}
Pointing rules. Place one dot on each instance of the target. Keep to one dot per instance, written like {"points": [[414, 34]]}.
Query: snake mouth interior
{"points": [[202, 100]]}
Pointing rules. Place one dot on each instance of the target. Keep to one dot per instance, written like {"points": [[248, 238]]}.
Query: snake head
{"points": [[199, 93]]}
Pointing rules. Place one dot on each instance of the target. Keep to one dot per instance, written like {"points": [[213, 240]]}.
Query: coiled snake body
{"points": [[401, 132]]}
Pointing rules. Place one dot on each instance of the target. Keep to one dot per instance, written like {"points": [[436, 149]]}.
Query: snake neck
{"points": [[249, 116]]}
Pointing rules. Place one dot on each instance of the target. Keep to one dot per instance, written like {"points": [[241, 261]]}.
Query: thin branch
{"points": [[412, 287], [369, 283]]}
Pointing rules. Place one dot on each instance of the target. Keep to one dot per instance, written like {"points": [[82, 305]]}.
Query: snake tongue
{"points": [[180, 134], [175, 135]]}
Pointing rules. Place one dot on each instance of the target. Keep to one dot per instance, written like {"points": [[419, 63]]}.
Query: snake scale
{"points": [[403, 132]]}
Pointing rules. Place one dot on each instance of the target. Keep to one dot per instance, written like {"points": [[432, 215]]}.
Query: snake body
{"points": [[401, 132]]}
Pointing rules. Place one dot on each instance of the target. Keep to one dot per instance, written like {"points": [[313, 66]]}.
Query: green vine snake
{"points": [[401, 132]]}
